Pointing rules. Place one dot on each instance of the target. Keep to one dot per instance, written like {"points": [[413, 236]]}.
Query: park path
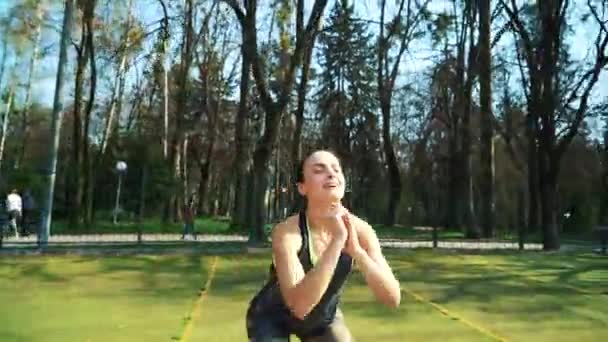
{"points": [[118, 239]]}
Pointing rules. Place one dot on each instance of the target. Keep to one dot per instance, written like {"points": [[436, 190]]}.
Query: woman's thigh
{"points": [[265, 329], [337, 331]]}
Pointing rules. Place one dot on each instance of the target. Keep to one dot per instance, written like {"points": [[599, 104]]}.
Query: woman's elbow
{"points": [[392, 300], [298, 308], [299, 311], [395, 300]]}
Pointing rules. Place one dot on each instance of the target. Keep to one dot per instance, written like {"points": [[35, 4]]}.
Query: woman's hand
{"points": [[353, 247], [334, 222]]}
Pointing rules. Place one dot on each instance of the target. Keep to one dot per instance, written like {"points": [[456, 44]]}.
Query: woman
{"points": [[313, 254]]}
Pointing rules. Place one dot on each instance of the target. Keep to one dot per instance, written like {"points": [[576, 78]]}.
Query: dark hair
{"points": [[300, 171]]}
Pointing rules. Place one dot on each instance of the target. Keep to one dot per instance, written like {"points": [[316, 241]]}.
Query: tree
{"points": [[348, 100], [47, 207], [30, 24], [485, 96], [189, 40], [273, 107], [452, 83], [84, 53], [401, 31], [5, 120], [540, 46]]}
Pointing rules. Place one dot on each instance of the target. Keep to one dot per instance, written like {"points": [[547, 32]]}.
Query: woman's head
{"points": [[320, 177]]}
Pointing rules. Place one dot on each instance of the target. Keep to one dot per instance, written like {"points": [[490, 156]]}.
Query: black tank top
{"points": [[269, 303]]}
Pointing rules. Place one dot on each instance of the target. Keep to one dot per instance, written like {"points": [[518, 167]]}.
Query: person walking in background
{"points": [[188, 216], [29, 212], [14, 207]]}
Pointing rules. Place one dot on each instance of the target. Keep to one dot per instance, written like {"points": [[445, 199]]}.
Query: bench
{"points": [[602, 234]]}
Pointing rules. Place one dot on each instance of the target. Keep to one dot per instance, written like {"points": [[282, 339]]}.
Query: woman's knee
{"points": [[260, 330], [337, 331]]}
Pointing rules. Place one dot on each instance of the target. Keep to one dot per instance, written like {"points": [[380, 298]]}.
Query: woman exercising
{"points": [[313, 254]]}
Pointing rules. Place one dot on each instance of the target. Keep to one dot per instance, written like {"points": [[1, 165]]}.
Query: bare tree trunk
{"points": [[117, 86], [203, 189], [4, 55], [277, 181], [76, 196], [548, 171], [205, 166], [548, 193], [174, 204], [296, 147], [487, 150], [165, 110], [521, 216], [185, 182], [141, 213], [28, 91], [116, 95], [9, 104], [47, 208], [240, 158], [87, 170], [469, 219], [260, 184], [161, 60]]}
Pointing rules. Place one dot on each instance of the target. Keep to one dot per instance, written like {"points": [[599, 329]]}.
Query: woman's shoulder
{"points": [[364, 229], [360, 222], [287, 231]]}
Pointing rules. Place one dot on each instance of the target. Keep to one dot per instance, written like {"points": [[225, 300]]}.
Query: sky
{"points": [[148, 11]]}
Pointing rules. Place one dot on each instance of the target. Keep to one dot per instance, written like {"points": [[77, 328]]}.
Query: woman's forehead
{"points": [[322, 157]]}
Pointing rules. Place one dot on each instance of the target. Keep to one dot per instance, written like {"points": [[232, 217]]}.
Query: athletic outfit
{"points": [[269, 318]]}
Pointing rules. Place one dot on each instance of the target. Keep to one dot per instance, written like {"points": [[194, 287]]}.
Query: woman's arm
{"points": [[364, 247], [302, 291]]}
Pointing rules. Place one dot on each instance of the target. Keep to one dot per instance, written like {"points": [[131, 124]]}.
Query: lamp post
{"points": [[121, 169]]}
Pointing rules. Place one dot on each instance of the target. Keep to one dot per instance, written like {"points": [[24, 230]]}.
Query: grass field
{"points": [[447, 296]]}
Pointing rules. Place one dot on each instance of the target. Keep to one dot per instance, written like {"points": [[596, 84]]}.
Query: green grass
{"points": [[97, 299], [517, 296], [206, 225]]}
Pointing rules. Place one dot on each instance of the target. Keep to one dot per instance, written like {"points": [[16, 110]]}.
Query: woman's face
{"points": [[323, 178]]}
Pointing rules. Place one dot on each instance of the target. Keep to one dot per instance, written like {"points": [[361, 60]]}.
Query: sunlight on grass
{"points": [[107, 299], [447, 296]]}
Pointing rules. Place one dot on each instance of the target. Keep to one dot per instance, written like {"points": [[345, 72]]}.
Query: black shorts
{"points": [[268, 329]]}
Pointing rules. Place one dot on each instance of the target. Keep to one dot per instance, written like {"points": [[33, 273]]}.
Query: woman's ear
{"points": [[301, 188]]}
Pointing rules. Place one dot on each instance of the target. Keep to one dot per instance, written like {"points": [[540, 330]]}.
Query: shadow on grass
{"points": [[511, 295], [164, 277], [454, 280]]}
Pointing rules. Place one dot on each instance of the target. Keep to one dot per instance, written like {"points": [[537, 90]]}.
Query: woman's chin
{"points": [[334, 195], [329, 197]]}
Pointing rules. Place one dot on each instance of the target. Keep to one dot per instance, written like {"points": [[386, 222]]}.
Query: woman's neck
{"points": [[317, 212]]}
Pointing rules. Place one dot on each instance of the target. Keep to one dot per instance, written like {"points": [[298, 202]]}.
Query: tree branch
{"points": [[304, 41], [524, 81], [240, 15], [405, 40], [600, 62], [513, 14], [396, 20], [601, 22]]}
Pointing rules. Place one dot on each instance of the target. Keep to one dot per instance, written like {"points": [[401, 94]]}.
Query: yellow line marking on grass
{"points": [[196, 309], [452, 315]]}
